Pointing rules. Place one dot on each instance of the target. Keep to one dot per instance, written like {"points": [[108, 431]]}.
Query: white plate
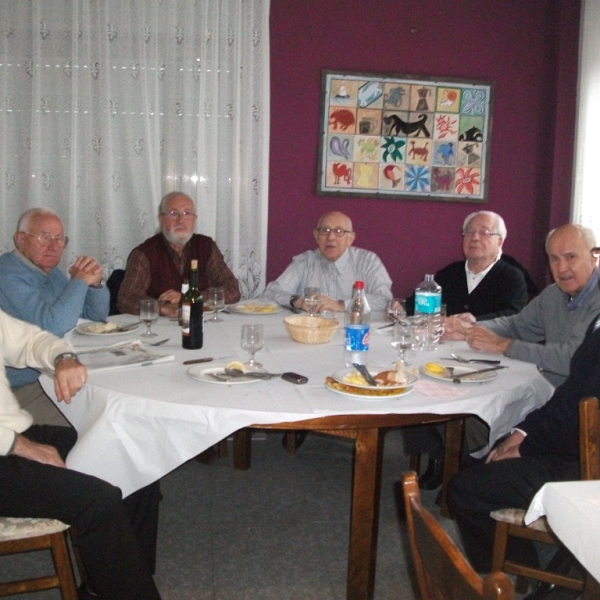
{"points": [[366, 395], [255, 307], [339, 376], [445, 376], [83, 328], [203, 374]]}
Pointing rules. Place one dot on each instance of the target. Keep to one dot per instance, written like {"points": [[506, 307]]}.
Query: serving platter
{"points": [[366, 395], [255, 308], [342, 376], [95, 329]]}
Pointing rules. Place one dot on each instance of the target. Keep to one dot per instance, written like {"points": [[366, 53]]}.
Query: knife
{"points": [[457, 378], [365, 373]]}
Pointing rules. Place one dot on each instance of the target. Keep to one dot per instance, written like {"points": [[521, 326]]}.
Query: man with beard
{"points": [[157, 267]]}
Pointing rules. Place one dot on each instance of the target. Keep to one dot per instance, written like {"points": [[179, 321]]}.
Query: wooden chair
{"points": [[443, 573], [26, 535], [510, 521]]}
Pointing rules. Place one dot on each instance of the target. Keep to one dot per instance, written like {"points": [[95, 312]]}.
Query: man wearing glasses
{"points": [[35, 290], [158, 266], [333, 267]]}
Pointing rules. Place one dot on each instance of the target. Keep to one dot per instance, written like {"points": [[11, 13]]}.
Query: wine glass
{"points": [[149, 314], [403, 338], [312, 297], [216, 302], [437, 325], [252, 341], [396, 309]]}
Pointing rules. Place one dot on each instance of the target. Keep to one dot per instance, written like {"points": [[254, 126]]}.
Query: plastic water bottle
{"points": [[428, 297], [358, 319], [428, 304]]}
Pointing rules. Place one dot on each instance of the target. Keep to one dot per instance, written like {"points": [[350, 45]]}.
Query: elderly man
{"points": [[543, 447], [158, 266], [486, 286], [333, 267], [34, 289], [483, 284], [551, 327], [35, 483]]}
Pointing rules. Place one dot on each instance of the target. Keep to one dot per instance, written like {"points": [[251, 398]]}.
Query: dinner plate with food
{"points": [[445, 372], [106, 329], [255, 307], [391, 383]]}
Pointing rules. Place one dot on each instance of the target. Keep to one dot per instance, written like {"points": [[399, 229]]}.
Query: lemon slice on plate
{"points": [[435, 368], [236, 365]]}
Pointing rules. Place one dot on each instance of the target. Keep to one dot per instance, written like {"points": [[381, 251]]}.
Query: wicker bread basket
{"points": [[310, 330]]}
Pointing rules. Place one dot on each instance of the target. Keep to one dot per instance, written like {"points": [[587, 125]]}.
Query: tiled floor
{"points": [[277, 531]]}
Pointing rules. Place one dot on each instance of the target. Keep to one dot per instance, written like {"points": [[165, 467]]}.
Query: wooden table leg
{"points": [[242, 449], [364, 521], [591, 590], [452, 457]]}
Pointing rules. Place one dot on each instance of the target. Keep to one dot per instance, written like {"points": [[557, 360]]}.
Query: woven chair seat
{"points": [[12, 528], [516, 516]]}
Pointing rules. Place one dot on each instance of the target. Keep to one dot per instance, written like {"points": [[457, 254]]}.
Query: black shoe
{"points": [[550, 591], [432, 478], [299, 437], [85, 592]]}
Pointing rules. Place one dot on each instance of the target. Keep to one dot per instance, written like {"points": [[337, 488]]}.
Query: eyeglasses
{"points": [[45, 239], [337, 231], [175, 214], [484, 233]]}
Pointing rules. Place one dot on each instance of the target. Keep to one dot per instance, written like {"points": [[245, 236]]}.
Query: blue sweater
{"points": [[51, 302]]}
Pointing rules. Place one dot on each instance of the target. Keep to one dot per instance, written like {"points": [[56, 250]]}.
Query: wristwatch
{"points": [[65, 356], [293, 299], [98, 286]]}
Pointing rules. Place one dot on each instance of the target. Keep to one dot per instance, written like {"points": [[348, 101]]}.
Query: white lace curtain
{"points": [[109, 104], [586, 200]]}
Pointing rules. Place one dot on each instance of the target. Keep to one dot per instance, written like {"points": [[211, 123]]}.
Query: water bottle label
{"points": [[357, 338], [428, 303]]}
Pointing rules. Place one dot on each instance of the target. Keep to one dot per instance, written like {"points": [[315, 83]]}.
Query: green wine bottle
{"points": [[192, 313]]}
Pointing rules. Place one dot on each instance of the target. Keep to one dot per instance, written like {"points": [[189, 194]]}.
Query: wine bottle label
{"points": [[185, 319]]}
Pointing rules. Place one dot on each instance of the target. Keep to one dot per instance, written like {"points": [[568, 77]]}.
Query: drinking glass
{"points": [[402, 338], [216, 302], [437, 326], [312, 297], [149, 315], [396, 309], [252, 341]]}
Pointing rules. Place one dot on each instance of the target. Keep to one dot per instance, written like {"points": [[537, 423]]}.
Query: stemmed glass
{"points": [[437, 325], [396, 309], [149, 315], [252, 341], [216, 302], [312, 297], [402, 338]]}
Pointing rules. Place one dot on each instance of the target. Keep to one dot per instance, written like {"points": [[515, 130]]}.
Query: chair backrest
{"points": [[589, 438], [113, 283], [442, 571]]}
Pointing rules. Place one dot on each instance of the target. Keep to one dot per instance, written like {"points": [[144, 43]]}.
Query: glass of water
{"points": [[149, 315], [216, 302], [403, 338], [312, 297]]}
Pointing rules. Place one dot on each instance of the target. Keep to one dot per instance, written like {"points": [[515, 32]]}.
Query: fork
{"points": [[461, 359]]}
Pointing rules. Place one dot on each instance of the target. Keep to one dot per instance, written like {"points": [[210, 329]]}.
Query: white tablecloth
{"points": [[137, 424], [573, 512]]}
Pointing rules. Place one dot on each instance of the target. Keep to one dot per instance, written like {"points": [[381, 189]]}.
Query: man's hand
{"points": [[509, 448], [41, 453], [87, 269], [328, 303], [69, 377], [169, 303], [457, 326], [480, 338]]}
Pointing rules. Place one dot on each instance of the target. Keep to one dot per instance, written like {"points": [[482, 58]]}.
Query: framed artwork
{"points": [[404, 137]]}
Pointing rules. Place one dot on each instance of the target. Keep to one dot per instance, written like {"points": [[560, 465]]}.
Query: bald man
{"points": [[333, 267]]}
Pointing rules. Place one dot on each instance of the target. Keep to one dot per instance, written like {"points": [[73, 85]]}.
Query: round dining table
{"points": [[138, 422]]}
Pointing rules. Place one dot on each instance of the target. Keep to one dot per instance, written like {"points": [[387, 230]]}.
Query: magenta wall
{"points": [[528, 48]]}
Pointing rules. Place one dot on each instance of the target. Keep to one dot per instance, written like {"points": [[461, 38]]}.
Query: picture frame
{"points": [[404, 137]]}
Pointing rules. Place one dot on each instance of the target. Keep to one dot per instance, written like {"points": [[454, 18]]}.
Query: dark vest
{"points": [[164, 276]]}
